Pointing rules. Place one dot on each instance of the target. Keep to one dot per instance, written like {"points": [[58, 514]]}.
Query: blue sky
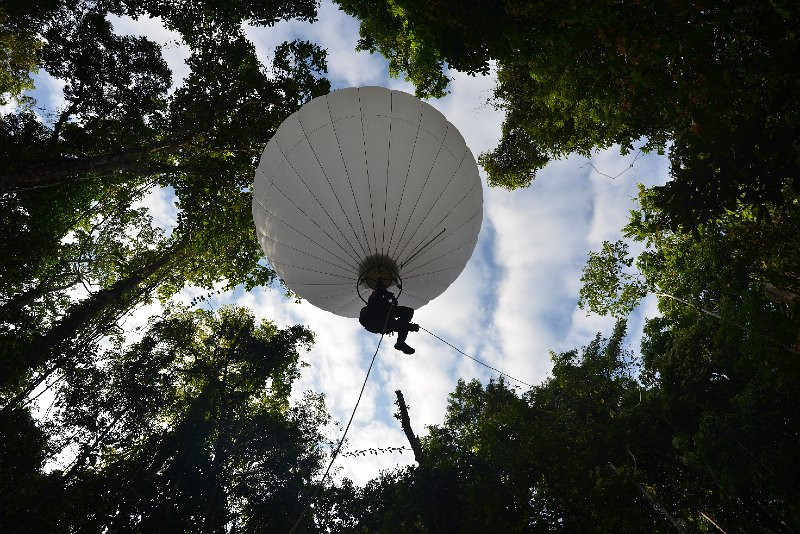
{"points": [[515, 301]]}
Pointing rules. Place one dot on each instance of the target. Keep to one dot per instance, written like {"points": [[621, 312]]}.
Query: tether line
{"points": [[344, 435], [495, 369]]}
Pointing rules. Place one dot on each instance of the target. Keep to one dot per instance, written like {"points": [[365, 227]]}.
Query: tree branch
{"points": [[61, 170], [413, 440]]}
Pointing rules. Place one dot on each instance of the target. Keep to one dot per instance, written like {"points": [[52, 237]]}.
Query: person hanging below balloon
{"points": [[382, 309]]}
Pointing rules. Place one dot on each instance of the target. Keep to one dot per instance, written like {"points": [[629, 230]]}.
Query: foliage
{"points": [[699, 427], [739, 270], [20, 43], [714, 83], [187, 425], [18, 59], [386, 27], [82, 248], [610, 443], [553, 459], [724, 351], [607, 288], [195, 20], [187, 429]]}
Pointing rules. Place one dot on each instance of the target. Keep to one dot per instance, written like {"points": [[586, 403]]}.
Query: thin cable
{"points": [[419, 251], [475, 359], [344, 435], [629, 167]]}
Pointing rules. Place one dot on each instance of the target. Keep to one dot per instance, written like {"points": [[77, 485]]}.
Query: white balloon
{"points": [[364, 179]]}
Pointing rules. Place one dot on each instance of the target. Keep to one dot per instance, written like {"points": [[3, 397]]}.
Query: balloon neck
{"points": [[377, 269]]}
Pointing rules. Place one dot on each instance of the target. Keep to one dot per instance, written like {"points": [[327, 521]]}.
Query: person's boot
{"points": [[403, 347], [413, 327]]}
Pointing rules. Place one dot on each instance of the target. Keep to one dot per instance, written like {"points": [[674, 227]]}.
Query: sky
{"points": [[515, 301]]}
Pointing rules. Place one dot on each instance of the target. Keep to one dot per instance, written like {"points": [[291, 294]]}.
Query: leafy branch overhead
{"points": [[738, 270], [713, 83], [607, 285], [85, 254]]}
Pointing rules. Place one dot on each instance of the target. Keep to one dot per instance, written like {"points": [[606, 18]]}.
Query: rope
{"points": [[476, 360], [344, 435], [629, 167]]}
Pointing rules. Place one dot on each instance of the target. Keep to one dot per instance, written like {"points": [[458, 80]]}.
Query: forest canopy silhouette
{"points": [[186, 425]]}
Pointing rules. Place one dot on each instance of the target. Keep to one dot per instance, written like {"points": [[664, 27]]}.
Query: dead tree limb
{"points": [[413, 440]]}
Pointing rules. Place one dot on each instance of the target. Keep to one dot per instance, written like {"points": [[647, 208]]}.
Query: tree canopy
{"points": [[187, 425], [665, 442], [153, 423], [713, 83]]}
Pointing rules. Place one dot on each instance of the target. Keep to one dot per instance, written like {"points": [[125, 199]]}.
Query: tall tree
{"points": [[19, 45], [188, 429], [715, 82], [739, 270], [120, 136], [573, 454], [612, 442], [724, 350]]}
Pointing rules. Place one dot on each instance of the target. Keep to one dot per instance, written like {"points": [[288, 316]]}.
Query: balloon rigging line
{"points": [[344, 434], [432, 272], [348, 303], [369, 182], [437, 258], [459, 227], [424, 185], [445, 217], [350, 182], [311, 192], [475, 359], [435, 202], [388, 165], [322, 168], [325, 211], [405, 181], [266, 211], [265, 236], [418, 252], [275, 262]]}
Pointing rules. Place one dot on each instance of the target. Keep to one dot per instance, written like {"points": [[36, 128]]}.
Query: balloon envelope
{"points": [[367, 180]]}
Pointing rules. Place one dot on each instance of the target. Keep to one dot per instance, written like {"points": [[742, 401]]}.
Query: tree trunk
{"points": [[220, 455], [61, 170], [780, 294], [105, 302], [87, 451], [704, 516], [413, 440], [687, 303], [99, 309], [15, 304], [677, 525]]}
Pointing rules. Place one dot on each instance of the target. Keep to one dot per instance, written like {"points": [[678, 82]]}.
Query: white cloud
{"points": [[515, 301], [49, 95], [613, 200], [334, 31], [160, 203]]}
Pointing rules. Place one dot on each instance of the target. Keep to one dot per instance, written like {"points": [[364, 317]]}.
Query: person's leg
{"points": [[401, 324], [402, 332]]}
